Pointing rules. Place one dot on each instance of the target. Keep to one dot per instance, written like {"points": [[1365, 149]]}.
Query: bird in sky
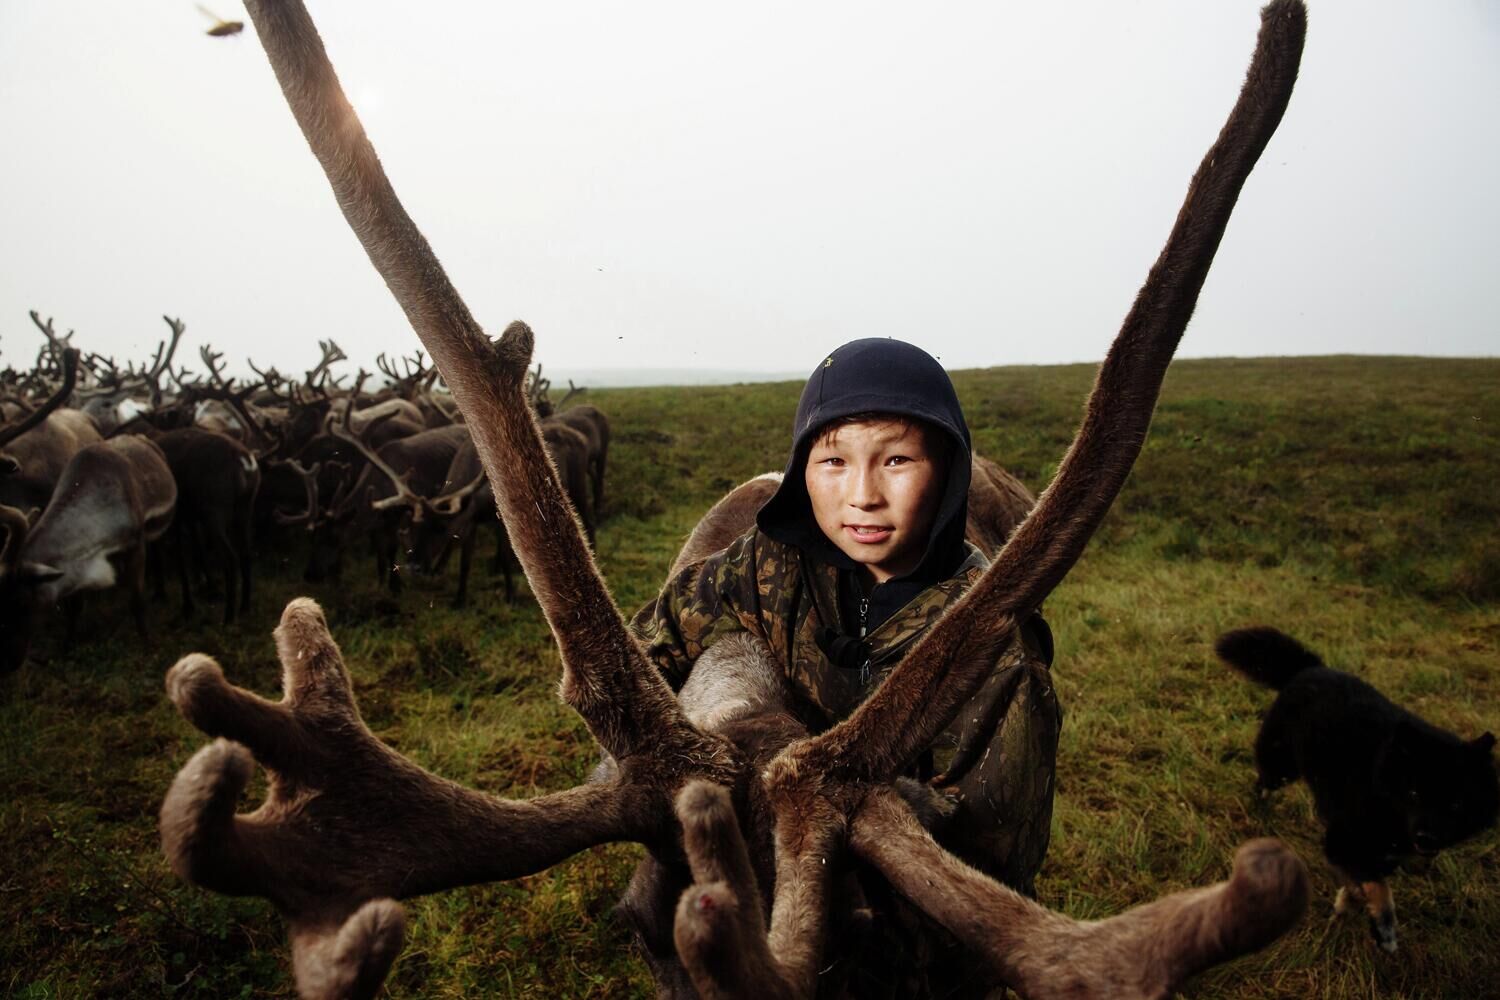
{"points": [[221, 28]]}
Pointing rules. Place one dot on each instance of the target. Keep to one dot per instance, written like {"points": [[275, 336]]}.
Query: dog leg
{"points": [[1275, 759], [1380, 904], [1351, 894]]}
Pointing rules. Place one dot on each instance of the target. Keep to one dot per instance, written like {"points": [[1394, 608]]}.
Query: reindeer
{"points": [[113, 498], [456, 516], [120, 396], [393, 486], [587, 420], [593, 425], [35, 447], [349, 825], [217, 478]]}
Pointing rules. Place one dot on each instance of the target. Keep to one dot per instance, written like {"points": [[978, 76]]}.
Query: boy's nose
{"points": [[864, 490]]}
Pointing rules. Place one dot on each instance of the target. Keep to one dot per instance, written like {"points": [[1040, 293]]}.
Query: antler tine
{"points": [[49, 356], [412, 832], [948, 663], [310, 487], [271, 378], [449, 503], [214, 362], [53, 340], [625, 702], [105, 371], [163, 359], [348, 961], [573, 390], [404, 495], [1142, 954], [331, 352], [720, 927], [386, 368], [70, 358]]}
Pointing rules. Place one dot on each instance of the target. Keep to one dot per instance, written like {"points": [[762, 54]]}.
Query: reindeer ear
{"points": [[39, 573], [1484, 743]]}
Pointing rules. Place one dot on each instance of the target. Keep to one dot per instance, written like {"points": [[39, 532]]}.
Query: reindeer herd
{"points": [[108, 474]]}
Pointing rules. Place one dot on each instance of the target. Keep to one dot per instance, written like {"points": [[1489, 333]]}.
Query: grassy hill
{"points": [[1349, 501]]}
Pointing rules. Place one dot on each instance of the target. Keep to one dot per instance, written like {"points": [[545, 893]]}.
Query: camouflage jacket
{"points": [[998, 754]]}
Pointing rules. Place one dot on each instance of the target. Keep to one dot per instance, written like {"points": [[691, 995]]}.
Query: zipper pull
{"points": [[864, 613]]}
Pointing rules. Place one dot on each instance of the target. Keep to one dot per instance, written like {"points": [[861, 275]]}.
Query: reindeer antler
{"points": [[413, 833], [309, 477], [339, 800], [70, 359], [317, 378], [55, 346]]}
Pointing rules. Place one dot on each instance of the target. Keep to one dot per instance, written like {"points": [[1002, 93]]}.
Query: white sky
{"points": [[699, 185]]}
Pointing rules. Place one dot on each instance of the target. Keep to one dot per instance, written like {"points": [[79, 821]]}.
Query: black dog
{"points": [[1387, 784]]}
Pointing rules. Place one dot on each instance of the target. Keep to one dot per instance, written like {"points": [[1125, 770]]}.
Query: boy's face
{"points": [[875, 487]]}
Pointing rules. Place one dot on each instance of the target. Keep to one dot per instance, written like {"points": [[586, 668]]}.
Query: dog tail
{"points": [[1265, 655]]}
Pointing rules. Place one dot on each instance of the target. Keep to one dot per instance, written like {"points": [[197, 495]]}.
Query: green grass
{"points": [[1349, 501]]}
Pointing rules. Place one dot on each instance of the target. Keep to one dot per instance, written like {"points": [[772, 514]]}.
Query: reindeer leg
{"points": [[229, 566], [244, 541], [135, 568], [1144, 953], [181, 546], [156, 567], [465, 563]]}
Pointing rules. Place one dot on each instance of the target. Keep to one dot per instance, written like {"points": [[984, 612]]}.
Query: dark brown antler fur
{"points": [[347, 820], [1142, 954]]}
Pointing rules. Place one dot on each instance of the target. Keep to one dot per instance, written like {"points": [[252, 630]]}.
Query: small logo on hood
{"points": [[828, 361]]}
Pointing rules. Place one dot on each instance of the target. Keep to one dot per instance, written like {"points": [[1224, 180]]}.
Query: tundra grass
{"points": [[1348, 501]]}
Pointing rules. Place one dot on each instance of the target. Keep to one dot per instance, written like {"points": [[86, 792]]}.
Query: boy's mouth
{"points": [[868, 533]]}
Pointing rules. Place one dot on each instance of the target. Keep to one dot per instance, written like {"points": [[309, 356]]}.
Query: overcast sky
{"points": [[706, 185]]}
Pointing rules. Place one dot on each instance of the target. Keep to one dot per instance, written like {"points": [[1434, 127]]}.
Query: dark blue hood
{"points": [[875, 375]]}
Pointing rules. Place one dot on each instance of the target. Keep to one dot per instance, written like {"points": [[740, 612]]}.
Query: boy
{"points": [[861, 548]]}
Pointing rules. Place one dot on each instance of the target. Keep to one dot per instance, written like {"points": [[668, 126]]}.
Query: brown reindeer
{"points": [[392, 487], [35, 446], [590, 422], [113, 498], [349, 826], [469, 504], [217, 478]]}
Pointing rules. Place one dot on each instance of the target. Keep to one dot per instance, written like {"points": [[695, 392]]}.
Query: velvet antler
{"points": [[348, 824], [1142, 954]]}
